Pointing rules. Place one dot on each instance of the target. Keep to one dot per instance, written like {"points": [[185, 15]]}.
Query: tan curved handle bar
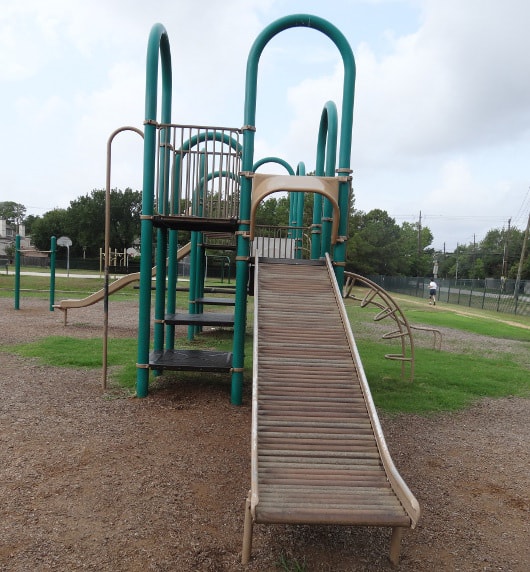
{"points": [[263, 185]]}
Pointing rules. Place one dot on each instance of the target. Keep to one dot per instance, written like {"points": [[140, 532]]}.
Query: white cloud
{"points": [[442, 109]]}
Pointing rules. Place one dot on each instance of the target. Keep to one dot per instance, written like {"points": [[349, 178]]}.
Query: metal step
{"points": [[191, 360], [216, 301], [205, 319]]}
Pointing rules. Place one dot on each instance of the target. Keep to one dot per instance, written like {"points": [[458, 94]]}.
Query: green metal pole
{"points": [[158, 43], [53, 249], [327, 146], [196, 209], [277, 160], [300, 170], [17, 272]]}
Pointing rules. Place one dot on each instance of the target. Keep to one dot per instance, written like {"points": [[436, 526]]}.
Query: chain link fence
{"points": [[488, 294]]}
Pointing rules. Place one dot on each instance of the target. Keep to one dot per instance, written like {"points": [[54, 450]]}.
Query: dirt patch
{"points": [[100, 481]]}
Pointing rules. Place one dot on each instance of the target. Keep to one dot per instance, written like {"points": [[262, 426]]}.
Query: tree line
{"points": [[497, 255], [84, 222], [377, 244]]}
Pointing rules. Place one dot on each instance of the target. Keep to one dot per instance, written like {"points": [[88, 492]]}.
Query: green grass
{"points": [[39, 287], [476, 324], [444, 380], [287, 564], [86, 353], [74, 352]]}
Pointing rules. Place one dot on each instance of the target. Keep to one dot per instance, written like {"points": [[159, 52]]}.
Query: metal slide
{"points": [[118, 284], [318, 451]]}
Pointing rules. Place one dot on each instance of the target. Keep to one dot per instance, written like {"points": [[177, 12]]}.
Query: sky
{"points": [[441, 126]]}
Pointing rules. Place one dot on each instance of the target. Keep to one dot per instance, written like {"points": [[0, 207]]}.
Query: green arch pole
{"points": [[243, 246], [292, 196], [158, 44], [17, 272], [53, 249], [300, 170], [277, 160], [327, 156]]}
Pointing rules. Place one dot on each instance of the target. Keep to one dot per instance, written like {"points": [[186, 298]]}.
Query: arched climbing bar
{"points": [[243, 246], [325, 166], [276, 160], [388, 307]]}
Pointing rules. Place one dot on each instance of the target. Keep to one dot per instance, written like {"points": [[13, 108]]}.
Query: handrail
{"points": [[388, 309], [254, 499], [399, 486]]}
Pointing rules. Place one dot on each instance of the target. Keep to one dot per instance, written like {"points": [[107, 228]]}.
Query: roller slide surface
{"points": [[318, 453]]}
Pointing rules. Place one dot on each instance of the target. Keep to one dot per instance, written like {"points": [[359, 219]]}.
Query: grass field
{"points": [[484, 354]]}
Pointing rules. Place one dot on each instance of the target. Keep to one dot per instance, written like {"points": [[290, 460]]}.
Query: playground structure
{"points": [[203, 180], [318, 452]]}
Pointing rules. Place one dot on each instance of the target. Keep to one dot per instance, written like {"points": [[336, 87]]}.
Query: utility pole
{"points": [[419, 236], [505, 253], [521, 260]]}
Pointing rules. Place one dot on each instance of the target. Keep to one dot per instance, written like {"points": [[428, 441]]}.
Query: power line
{"points": [[523, 209], [451, 217]]}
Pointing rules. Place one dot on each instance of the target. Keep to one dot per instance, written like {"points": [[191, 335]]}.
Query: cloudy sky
{"points": [[442, 105]]}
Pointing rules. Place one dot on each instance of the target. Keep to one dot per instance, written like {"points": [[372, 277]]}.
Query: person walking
{"points": [[432, 292]]}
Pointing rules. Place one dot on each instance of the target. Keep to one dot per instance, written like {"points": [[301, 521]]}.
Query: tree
{"points": [[52, 223], [84, 222], [415, 258], [273, 212], [12, 212], [374, 244], [28, 223]]}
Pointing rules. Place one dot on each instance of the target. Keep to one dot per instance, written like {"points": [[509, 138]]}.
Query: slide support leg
{"points": [[247, 533]]}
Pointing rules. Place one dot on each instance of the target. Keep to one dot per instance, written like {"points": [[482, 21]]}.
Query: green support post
{"points": [[53, 249], [158, 44], [327, 157], [300, 170], [17, 272]]}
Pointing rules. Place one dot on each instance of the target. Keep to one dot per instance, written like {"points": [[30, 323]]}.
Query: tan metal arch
{"points": [[264, 185]]}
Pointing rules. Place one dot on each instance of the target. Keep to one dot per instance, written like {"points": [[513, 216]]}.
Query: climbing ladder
{"points": [[318, 453]]}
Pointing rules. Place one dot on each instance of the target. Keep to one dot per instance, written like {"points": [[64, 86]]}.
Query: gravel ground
{"points": [[93, 480]]}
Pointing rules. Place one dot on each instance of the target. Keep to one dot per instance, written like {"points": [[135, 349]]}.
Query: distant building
{"points": [[8, 233]]}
